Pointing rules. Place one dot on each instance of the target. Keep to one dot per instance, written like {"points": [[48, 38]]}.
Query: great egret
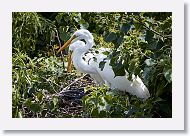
{"points": [[87, 62]]}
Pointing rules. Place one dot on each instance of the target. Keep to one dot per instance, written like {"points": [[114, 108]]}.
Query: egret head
{"points": [[83, 34], [78, 35], [76, 45]]}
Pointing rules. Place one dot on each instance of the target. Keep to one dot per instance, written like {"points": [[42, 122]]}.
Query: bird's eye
{"points": [[83, 41]]}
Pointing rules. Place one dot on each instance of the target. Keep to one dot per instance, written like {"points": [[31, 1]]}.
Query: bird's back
{"points": [[134, 87], [93, 58]]}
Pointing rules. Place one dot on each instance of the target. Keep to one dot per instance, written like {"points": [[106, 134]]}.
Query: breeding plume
{"points": [[88, 62]]}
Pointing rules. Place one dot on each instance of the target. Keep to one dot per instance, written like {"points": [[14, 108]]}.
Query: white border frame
{"points": [[174, 123]]}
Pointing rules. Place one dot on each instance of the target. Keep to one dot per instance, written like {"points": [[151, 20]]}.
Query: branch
{"points": [[51, 84], [57, 36], [76, 80], [164, 36], [139, 20]]}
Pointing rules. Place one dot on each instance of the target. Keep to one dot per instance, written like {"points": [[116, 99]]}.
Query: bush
{"points": [[140, 43]]}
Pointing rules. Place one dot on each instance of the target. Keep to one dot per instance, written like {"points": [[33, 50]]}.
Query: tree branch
{"points": [[57, 36], [76, 80], [139, 20]]}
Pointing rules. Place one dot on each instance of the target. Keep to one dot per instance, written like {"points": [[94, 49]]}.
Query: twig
{"points": [[64, 89], [164, 36], [57, 36], [51, 84]]}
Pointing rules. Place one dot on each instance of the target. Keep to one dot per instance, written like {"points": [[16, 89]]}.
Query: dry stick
{"points": [[57, 35], [64, 89], [50, 84]]}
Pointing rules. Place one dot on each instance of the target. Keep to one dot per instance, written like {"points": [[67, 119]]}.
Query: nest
{"points": [[70, 98]]}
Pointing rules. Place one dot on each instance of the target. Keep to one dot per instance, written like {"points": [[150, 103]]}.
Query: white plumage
{"points": [[87, 62]]}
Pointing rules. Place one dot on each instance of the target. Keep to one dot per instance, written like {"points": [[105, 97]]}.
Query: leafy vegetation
{"points": [[140, 43]]}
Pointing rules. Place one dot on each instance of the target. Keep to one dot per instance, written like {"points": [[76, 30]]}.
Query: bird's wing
{"points": [[134, 87], [93, 57]]}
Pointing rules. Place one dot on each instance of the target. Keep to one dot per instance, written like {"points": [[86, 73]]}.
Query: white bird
{"points": [[87, 62]]}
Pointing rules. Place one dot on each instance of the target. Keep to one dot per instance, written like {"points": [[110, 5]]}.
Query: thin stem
{"points": [[57, 36], [51, 84], [76, 80]]}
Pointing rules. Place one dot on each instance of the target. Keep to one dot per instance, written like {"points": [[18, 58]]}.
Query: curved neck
{"points": [[78, 54], [89, 41], [81, 64]]}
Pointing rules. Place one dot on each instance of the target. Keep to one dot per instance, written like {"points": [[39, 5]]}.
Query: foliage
{"points": [[31, 32], [102, 102], [140, 43], [34, 83]]}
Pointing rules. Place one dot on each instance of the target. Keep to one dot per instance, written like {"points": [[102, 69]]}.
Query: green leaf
{"points": [[130, 111], [102, 64], [149, 62], [58, 18], [168, 75], [63, 34], [52, 36], [166, 25], [78, 18], [82, 21], [94, 112], [35, 107], [124, 28], [106, 53], [131, 66], [146, 72], [147, 24], [119, 41], [149, 36], [19, 114], [28, 102], [119, 69], [160, 44], [158, 100], [160, 88], [40, 96], [112, 55], [110, 37], [55, 101], [84, 25], [152, 45], [95, 59], [102, 114]]}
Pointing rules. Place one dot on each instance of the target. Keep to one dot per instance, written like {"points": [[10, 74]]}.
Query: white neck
{"points": [[77, 56], [89, 42], [81, 64]]}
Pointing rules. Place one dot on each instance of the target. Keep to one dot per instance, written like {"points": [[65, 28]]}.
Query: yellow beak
{"points": [[66, 44], [69, 66]]}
